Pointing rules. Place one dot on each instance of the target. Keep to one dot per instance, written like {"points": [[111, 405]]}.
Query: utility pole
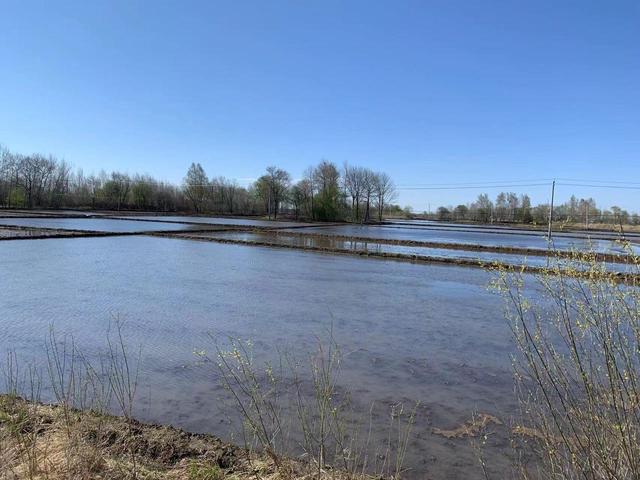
{"points": [[553, 191]]}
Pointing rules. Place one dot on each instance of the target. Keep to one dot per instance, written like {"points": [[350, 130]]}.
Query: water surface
{"points": [[479, 237], [251, 222], [94, 224], [377, 248], [409, 332]]}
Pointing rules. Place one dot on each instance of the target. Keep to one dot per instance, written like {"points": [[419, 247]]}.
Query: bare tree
{"points": [[230, 188], [384, 191], [8, 174], [277, 182], [60, 183], [297, 197], [142, 191], [34, 174], [368, 188], [353, 184]]}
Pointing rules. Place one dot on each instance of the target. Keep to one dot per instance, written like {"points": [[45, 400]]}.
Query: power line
{"points": [[576, 180], [598, 186], [483, 183], [459, 187]]}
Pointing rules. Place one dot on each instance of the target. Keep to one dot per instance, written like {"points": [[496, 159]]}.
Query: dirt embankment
{"points": [[50, 442]]}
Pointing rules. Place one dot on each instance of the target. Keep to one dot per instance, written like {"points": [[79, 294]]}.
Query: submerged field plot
{"points": [[428, 336]]}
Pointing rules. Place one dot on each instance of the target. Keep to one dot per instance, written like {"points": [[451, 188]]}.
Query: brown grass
{"points": [[36, 443]]}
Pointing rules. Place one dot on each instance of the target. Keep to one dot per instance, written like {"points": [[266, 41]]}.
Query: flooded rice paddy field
{"points": [[409, 332], [558, 229], [377, 248], [472, 237], [95, 224], [611, 236], [249, 222]]}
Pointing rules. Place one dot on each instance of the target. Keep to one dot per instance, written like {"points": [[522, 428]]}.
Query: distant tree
{"points": [[483, 208], [354, 186], [328, 200], [461, 212], [525, 209], [297, 198], [368, 189], [500, 210], [8, 175], [573, 209], [35, 174], [116, 189], [444, 214], [273, 188], [195, 186], [231, 189], [384, 191], [307, 191], [512, 206], [59, 186], [619, 216], [142, 192]]}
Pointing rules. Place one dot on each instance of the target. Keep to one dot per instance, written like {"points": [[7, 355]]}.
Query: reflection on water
{"points": [[409, 332], [247, 222], [557, 231], [94, 224], [478, 237], [374, 247]]}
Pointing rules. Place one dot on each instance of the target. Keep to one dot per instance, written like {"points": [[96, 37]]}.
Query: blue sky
{"points": [[433, 92]]}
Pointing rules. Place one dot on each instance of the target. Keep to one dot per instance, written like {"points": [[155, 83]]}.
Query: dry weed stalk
{"points": [[578, 369]]}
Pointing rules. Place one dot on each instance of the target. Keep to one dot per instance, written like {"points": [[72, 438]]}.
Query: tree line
{"points": [[510, 207], [325, 191]]}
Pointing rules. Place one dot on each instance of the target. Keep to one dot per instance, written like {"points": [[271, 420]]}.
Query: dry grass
{"points": [[578, 371], [301, 406], [77, 438], [37, 443]]}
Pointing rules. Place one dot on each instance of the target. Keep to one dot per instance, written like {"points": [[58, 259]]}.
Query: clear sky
{"points": [[433, 92]]}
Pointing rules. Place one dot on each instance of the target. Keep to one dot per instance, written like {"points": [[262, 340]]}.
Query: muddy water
{"points": [[409, 332]]}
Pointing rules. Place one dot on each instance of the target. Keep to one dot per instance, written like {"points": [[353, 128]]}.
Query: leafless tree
{"points": [[368, 188], [278, 182], [384, 191], [353, 184]]}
